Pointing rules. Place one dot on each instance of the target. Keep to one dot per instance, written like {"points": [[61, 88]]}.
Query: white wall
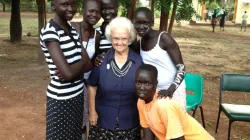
{"points": [[242, 7], [197, 7]]}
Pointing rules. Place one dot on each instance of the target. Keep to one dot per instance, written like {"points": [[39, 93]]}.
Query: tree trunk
{"points": [[41, 14], [172, 17], [131, 9], [41, 23], [83, 3], [15, 22], [27, 5], [153, 7], [164, 20], [3, 6]]}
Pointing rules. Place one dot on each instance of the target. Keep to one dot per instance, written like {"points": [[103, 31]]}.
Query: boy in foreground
{"points": [[163, 118]]}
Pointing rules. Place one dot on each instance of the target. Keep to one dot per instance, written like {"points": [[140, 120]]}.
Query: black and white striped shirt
{"points": [[71, 48], [105, 44]]}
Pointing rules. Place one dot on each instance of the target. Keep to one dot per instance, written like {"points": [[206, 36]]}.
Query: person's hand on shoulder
{"points": [[166, 93], [99, 59]]}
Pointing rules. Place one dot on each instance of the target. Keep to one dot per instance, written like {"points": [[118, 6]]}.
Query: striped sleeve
{"points": [[48, 33]]}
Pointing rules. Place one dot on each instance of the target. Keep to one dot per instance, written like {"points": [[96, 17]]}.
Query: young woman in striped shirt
{"points": [[66, 61]]}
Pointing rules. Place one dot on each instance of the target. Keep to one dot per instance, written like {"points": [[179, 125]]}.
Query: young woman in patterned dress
{"points": [[90, 39], [67, 60]]}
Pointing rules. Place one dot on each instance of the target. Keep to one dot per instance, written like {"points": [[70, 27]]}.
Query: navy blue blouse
{"points": [[116, 96]]}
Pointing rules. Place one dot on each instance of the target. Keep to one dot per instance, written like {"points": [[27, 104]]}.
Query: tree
{"points": [[181, 10], [15, 22], [41, 14], [164, 7], [131, 8], [185, 11], [4, 3], [213, 5], [164, 20], [27, 6], [127, 7], [123, 5], [153, 7], [175, 4], [41, 23]]}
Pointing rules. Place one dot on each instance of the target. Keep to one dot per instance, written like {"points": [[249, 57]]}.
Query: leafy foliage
{"points": [[213, 5], [185, 11], [123, 6], [5, 1], [164, 5]]}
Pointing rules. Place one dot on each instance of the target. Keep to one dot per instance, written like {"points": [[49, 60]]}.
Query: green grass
{"points": [[29, 25], [4, 26]]}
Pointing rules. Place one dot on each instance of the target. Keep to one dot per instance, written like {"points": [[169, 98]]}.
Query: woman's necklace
{"points": [[117, 71]]}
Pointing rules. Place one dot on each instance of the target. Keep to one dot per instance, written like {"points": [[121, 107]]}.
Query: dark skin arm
{"points": [[99, 59], [172, 48], [89, 65], [65, 71], [97, 49], [148, 134]]}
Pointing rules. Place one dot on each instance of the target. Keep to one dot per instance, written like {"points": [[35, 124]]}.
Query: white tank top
{"points": [[162, 61], [90, 50]]}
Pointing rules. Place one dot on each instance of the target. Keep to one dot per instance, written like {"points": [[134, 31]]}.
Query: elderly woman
{"points": [[112, 100]]}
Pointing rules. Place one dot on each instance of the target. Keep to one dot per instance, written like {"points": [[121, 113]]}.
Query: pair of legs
{"points": [[222, 28], [245, 28], [244, 25], [213, 25]]}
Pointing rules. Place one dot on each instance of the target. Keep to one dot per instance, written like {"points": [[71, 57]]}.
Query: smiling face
{"points": [[145, 85], [65, 9], [91, 13], [120, 39], [109, 10], [142, 23]]}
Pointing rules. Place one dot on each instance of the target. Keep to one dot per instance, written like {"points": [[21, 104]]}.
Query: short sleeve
{"points": [[48, 33], [170, 117], [94, 76], [143, 120]]}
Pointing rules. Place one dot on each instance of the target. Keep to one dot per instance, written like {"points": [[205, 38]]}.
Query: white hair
{"points": [[122, 22]]}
